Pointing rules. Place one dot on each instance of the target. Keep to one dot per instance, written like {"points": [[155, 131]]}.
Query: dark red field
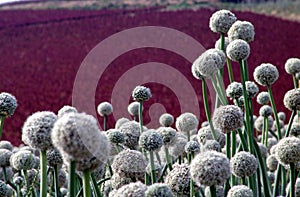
{"points": [[41, 51]]}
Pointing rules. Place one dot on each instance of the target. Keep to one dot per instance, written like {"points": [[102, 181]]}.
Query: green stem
{"points": [[86, 183], [233, 143], [292, 180], [283, 181], [213, 191], [222, 43], [72, 176], [243, 140], [141, 116], [95, 186], [192, 190], [169, 163], [295, 81], [276, 182], [230, 71], [248, 124], [109, 167], [274, 111], [56, 186], [221, 86], [218, 91], [4, 174], [1, 125], [228, 145], [43, 171], [245, 68], [287, 133], [206, 107], [153, 176], [265, 131], [105, 122]]}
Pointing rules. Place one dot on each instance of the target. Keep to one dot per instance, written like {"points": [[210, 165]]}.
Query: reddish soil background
{"points": [[41, 51]]}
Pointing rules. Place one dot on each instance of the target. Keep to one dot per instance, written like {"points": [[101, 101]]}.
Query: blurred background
{"points": [[43, 43]]}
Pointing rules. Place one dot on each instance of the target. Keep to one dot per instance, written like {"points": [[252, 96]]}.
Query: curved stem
{"points": [[206, 107], [218, 91], [86, 183], [274, 111], [287, 133], [43, 167]]}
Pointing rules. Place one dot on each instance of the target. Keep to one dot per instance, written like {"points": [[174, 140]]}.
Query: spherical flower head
{"points": [[151, 140], [243, 164], [54, 157], [78, 136], [208, 63], [251, 89], [234, 90], [120, 122], [263, 98], [265, 111], [263, 149], [221, 21], [5, 157], [22, 160], [218, 43], [157, 168], [133, 108], [177, 147], [88, 162], [104, 109], [210, 168], [238, 50], [205, 134], [18, 180], [211, 145], [8, 104], [115, 136], [178, 179], [192, 147], [6, 145], [186, 122], [66, 109], [166, 120], [241, 30], [9, 173], [295, 129], [141, 93], [118, 181], [3, 189], [159, 190], [265, 74], [272, 163], [219, 191], [240, 190], [291, 99], [132, 189], [241, 101], [281, 116], [130, 163], [195, 71], [131, 130], [168, 134], [288, 150], [292, 66], [228, 118], [36, 131], [220, 53]]}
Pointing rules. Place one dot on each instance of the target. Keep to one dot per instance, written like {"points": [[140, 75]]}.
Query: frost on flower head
{"points": [[265, 74], [104, 109], [22, 160], [234, 90], [288, 150], [141, 93], [238, 50], [243, 164], [8, 104], [36, 131], [131, 131], [168, 134], [251, 89], [263, 98], [221, 21], [210, 168], [291, 99], [228, 118], [186, 122], [265, 111], [241, 30], [151, 140], [292, 66]]}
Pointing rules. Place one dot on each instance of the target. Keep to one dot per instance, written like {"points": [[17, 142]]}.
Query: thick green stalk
{"points": [[221, 86], [1, 125], [105, 122], [72, 176], [243, 140], [86, 183], [206, 107], [213, 191], [265, 131], [233, 149], [292, 180], [56, 186], [43, 171], [218, 91], [276, 182], [222, 43], [287, 133], [295, 81], [228, 145], [169, 163], [95, 186], [153, 175], [4, 174], [274, 111], [247, 110], [141, 116], [230, 71], [245, 68]]}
